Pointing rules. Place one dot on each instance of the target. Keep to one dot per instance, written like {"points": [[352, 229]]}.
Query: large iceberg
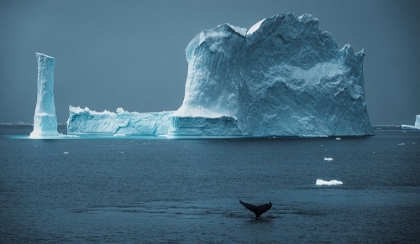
{"points": [[284, 76], [416, 125], [45, 120]]}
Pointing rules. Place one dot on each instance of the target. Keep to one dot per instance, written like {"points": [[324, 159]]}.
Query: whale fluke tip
{"points": [[258, 210]]}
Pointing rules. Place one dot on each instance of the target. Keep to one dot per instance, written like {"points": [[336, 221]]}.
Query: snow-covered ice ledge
{"points": [[86, 121]]}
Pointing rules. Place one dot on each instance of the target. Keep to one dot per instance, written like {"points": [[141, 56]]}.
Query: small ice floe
{"points": [[320, 182], [338, 138], [66, 152], [328, 159], [401, 144]]}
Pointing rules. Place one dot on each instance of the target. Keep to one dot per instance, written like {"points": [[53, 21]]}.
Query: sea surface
{"points": [[136, 190]]}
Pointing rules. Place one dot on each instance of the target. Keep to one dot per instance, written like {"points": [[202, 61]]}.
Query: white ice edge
{"points": [[52, 136], [41, 54]]}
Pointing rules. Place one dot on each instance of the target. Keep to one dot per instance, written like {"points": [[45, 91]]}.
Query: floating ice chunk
{"points": [[401, 144], [328, 159], [66, 152], [338, 139], [320, 182]]}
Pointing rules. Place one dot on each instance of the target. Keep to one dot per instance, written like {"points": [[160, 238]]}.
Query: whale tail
{"points": [[258, 210]]}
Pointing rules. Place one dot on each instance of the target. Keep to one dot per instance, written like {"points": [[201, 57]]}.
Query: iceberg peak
{"points": [[239, 30], [255, 27]]}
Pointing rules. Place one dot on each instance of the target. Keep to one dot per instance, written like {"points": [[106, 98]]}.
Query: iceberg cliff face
{"points": [[203, 126], [45, 120], [213, 76], [284, 76]]}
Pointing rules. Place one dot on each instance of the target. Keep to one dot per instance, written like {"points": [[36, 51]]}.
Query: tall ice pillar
{"points": [[45, 121]]}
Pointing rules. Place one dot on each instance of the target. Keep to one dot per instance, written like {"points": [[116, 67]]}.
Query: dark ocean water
{"points": [[187, 191]]}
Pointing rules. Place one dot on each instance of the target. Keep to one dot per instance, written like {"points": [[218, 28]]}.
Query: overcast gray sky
{"points": [[130, 54]]}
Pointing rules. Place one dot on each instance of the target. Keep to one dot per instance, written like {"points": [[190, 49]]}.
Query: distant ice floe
{"points": [[328, 159], [320, 182], [410, 127]]}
